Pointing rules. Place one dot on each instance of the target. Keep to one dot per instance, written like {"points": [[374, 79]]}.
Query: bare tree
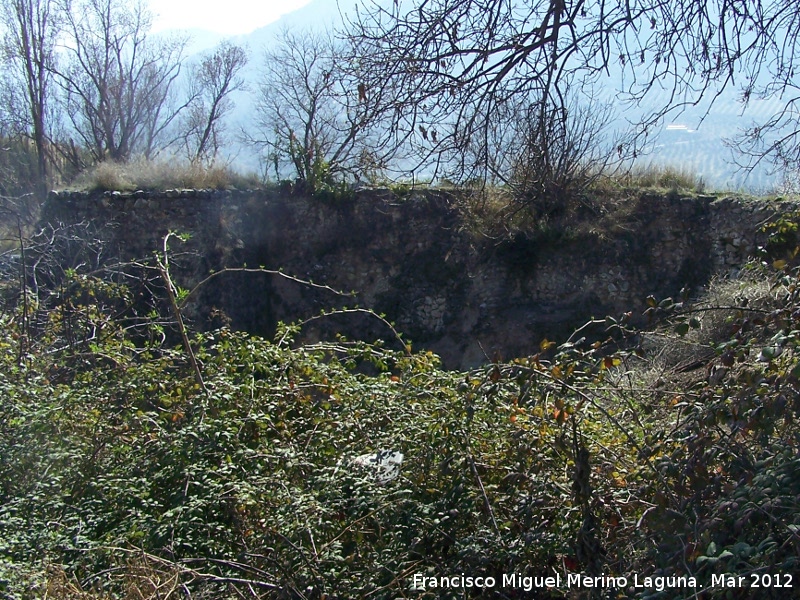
{"points": [[120, 84], [214, 79], [18, 161], [319, 115], [548, 155], [776, 139], [31, 29], [458, 63]]}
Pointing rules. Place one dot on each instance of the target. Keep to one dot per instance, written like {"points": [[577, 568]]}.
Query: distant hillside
{"points": [[692, 140]]}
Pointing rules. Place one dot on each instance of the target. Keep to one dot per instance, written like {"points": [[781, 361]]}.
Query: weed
{"points": [[142, 174], [661, 176]]}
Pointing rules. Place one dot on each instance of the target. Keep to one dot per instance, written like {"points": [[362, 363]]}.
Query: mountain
{"points": [[201, 40], [317, 14], [198, 40]]}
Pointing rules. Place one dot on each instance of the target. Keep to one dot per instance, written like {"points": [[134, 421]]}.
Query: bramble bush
{"points": [[122, 475]]}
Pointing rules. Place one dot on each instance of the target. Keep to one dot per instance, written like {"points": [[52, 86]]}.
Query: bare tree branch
{"points": [[214, 79], [31, 29], [319, 115], [119, 83], [458, 65]]}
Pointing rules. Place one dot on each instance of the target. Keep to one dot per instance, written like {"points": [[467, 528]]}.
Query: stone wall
{"points": [[447, 288]]}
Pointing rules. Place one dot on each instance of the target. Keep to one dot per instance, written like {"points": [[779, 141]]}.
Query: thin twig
{"points": [[264, 271], [163, 266], [366, 311], [486, 499]]}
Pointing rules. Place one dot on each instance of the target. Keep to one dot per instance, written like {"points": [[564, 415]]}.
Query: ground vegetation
{"points": [[142, 459]]}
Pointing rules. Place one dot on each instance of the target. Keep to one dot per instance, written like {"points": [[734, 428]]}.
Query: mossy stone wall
{"points": [[447, 288]]}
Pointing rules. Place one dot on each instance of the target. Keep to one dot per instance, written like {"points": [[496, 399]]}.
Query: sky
{"points": [[230, 17]]}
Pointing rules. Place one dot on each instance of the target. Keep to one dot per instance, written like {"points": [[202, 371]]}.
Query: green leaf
{"points": [[666, 303], [768, 353]]}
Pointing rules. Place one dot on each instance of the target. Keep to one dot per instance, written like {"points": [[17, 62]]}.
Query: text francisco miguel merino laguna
{"points": [[572, 580]]}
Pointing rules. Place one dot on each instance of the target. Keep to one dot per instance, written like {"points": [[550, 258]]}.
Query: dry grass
{"points": [[142, 174], [672, 365], [490, 212], [61, 586], [495, 213], [662, 176], [652, 176], [723, 300], [138, 578]]}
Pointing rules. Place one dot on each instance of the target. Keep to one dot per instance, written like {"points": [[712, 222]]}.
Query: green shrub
{"points": [[120, 472]]}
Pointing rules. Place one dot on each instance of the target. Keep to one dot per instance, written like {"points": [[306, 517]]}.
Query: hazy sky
{"points": [[223, 16]]}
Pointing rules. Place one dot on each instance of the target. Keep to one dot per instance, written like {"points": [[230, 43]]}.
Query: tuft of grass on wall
{"points": [[663, 176], [144, 174]]}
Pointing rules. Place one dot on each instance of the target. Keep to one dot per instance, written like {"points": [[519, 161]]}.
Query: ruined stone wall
{"points": [[447, 288]]}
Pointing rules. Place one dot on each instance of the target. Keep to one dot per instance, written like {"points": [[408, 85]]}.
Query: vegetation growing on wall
{"points": [[144, 174]]}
